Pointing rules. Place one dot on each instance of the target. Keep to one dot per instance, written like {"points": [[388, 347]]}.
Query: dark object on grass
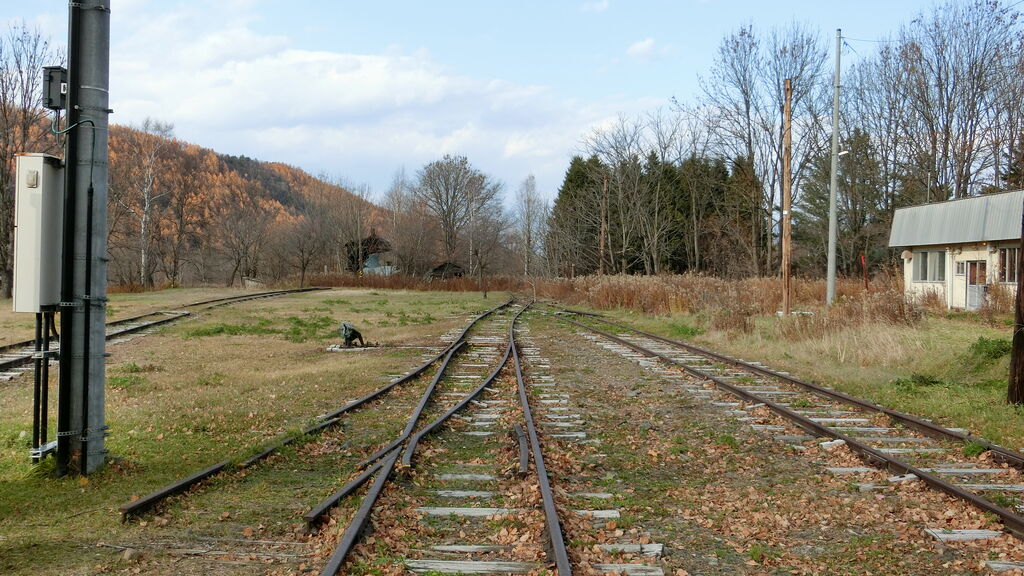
{"points": [[350, 335]]}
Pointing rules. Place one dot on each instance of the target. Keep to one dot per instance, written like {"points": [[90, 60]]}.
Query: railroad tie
{"points": [[472, 566], [946, 535]]}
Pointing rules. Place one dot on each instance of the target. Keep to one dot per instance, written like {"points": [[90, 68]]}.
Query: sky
{"points": [[358, 90]]}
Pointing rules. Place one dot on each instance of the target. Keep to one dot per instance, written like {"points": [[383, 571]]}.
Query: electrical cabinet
{"points": [[38, 225]]}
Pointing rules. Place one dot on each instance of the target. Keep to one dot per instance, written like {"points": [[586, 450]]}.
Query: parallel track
{"points": [[906, 445], [19, 354]]}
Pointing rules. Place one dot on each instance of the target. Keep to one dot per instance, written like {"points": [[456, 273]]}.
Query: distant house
{"points": [[959, 249], [379, 264], [360, 253], [446, 270]]}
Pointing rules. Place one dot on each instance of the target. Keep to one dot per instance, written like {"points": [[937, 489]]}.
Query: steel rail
{"points": [[179, 314], [143, 504], [925, 427], [331, 501], [386, 468], [355, 528], [524, 450], [252, 296], [1011, 521], [410, 448], [22, 360], [419, 370], [374, 463], [554, 527], [418, 411], [140, 506]]}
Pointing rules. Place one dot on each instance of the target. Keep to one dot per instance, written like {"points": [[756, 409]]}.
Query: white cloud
{"points": [[357, 116], [599, 6], [642, 49]]}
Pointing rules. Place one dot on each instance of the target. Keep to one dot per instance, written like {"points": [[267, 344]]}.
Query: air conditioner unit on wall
{"points": [[38, 223]]}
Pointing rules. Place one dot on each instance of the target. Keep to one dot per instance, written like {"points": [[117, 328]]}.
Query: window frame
{"points": [[929, 266], [1008, 260]]}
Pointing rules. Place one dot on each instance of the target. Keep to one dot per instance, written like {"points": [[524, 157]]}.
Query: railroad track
{"points": [[898, 447], [471, 502], [17, 357], [462, 488]]}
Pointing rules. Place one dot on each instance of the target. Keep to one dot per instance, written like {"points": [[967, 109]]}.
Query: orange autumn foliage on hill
{"points": [[182, 214]]}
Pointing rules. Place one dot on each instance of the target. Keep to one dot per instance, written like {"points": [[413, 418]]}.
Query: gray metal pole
{"points": [[90, 102], [830, 291]]}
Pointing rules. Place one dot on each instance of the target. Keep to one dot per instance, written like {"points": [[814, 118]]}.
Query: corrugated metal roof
{"points": [[986, 218]]}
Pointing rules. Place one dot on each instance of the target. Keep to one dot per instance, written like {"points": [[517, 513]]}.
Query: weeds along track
{"points": [[900, 448], [453, 492], [476, 495], [17, 357], [262, 494]]}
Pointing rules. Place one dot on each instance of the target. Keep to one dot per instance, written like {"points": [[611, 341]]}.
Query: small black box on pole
{"points": [[55, 87]]}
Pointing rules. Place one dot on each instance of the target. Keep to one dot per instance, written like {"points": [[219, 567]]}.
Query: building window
{"points": [[961, 268], [1008, 264], [930, 266]]}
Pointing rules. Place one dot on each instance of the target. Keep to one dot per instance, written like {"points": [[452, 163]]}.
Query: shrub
{"points": [[990, 348]]}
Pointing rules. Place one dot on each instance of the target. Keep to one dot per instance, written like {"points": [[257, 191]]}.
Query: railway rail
{"points": [[472, 499], [911, 447], [467, 469], [321, 423], [18, 354]]}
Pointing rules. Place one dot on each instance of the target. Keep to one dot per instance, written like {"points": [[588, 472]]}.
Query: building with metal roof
{"points": [[960, 250]]}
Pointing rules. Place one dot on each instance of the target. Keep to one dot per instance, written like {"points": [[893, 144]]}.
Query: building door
{"points": [[975, 284]]}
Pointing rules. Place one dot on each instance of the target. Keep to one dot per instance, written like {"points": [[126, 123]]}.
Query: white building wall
{"points": [[953, 290]]}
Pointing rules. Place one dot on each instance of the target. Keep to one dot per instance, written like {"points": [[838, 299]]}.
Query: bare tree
{"points": [[353, 223], [138, 183], [531, 213], [305, 239], [410, 229], [954, 63], [733, 91], [746, 87], [23, 53], [620, 148], [457, 194]]}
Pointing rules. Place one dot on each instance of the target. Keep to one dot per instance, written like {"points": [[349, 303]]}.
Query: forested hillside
{"points": [[182, 214]]}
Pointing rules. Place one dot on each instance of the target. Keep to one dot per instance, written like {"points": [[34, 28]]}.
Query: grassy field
{"points": [[19, 327], [952, 368], [227, 381], [218, 385]]}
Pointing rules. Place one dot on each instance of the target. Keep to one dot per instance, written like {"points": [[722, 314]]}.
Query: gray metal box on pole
{"points": [[38, 221]]}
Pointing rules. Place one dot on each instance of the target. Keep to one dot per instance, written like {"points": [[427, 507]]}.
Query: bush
{"points": [[990, 348]]}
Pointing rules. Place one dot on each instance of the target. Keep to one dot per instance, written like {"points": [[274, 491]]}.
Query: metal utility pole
{"points": [[787, 194], [830, 290], [81, 425]]}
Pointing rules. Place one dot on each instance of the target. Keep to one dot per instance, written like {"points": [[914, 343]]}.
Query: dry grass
{"points": [[733, 306], [869, 343], [190, 395]]}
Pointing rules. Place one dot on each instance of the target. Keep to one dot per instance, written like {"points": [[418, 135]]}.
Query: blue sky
{"points": [[358, 89]]}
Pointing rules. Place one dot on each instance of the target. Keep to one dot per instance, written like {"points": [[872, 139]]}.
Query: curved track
{"points": [[144, 504], [476, 452]]}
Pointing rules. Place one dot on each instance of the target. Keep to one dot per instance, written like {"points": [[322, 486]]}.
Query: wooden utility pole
{"points": [[787, 193], [1015, 389], [604, 219]]}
